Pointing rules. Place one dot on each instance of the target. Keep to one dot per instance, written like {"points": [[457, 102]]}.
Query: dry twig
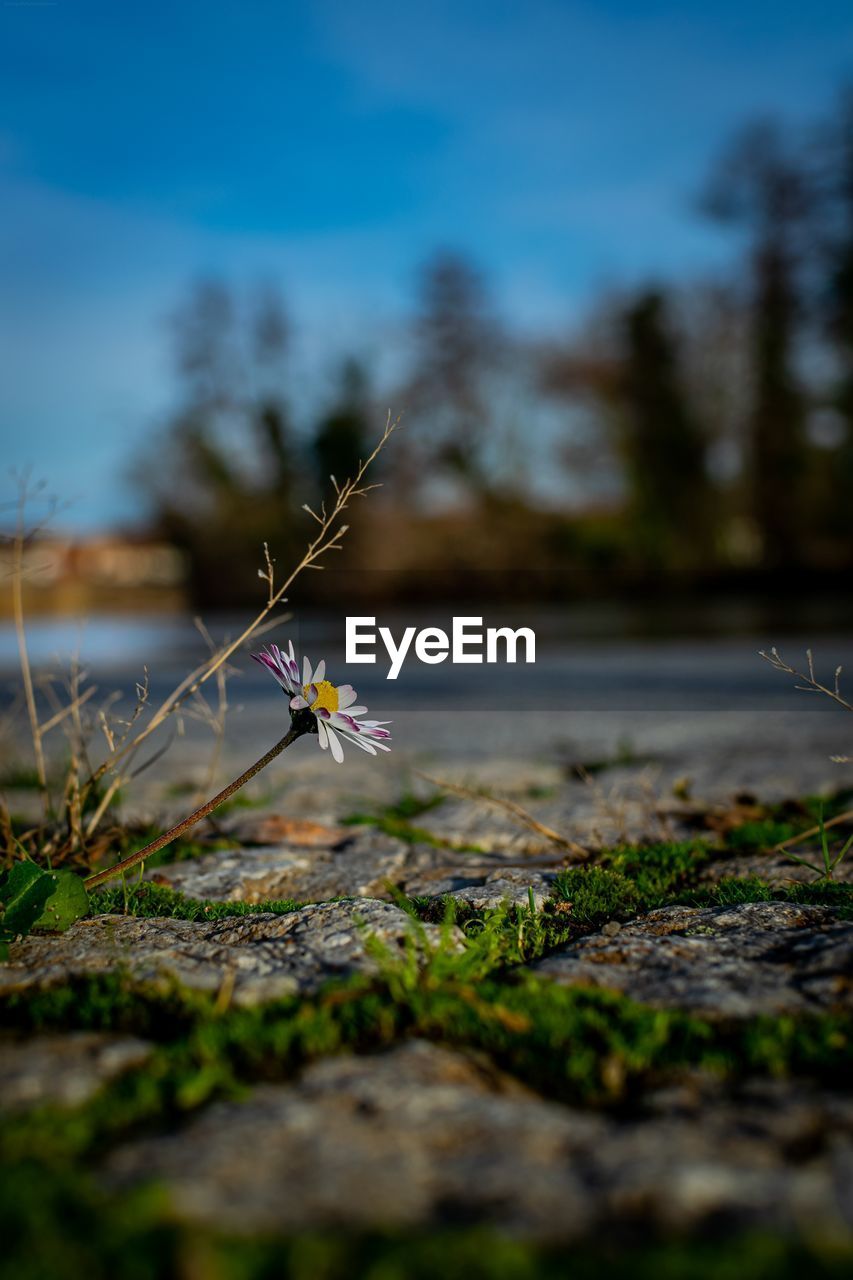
{"points": [[509, 806]]}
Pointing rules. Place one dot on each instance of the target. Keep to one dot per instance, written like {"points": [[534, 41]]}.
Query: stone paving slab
{"points": [[63, 1069], [402, 1139], [253, 958], [774, 868], [741, 961], [361, 865], [510, 885]]}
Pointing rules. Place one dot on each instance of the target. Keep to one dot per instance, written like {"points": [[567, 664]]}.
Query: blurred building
{"points": [[105, 572]]}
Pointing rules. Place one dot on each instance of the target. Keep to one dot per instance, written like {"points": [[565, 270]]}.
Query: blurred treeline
{"points": [[691, 433]]}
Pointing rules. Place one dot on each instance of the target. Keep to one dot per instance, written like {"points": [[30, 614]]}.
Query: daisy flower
{"points": [[332, 706]]}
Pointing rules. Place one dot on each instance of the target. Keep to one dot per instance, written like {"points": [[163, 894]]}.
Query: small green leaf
{"points": [[23, 894], [68, 901]]}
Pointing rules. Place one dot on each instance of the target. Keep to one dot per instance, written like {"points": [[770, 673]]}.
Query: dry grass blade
{"points": [[509, 806], [814, 831], [810, 682], [36, 730]]}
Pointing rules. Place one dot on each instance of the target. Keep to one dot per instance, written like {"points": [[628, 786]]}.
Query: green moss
{"points": [[597, 894], [157, 900], [658, 871], [823, 893], [728, 892], [733, 890], [762, 834]]}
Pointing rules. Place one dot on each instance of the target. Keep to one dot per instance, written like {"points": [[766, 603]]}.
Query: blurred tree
{"points": [[761, 185], [457, 343], [662, 444], [340, 442], [223, 482], [835, 185], [203, 331], [629, 366]]}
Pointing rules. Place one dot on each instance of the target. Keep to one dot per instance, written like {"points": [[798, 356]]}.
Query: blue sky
{"points": [[328, 146]]}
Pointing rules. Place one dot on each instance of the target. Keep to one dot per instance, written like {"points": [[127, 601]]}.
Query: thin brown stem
{"points": [[23, 653], [502, 802], [813, 831], [196, 816]]}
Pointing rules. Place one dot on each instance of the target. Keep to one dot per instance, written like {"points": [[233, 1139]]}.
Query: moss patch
{"points": [[596, 894], [658, 871], [154, 900]]}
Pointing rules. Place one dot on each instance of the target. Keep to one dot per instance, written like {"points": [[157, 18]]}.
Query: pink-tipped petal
{"points": [[358, 740], [267, 662], [298, 703], [341, 720]]}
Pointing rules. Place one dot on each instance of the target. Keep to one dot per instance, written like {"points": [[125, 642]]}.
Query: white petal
{"points": [[320, 673], [359, 741], [346, 696], [306, 671], [322, 735], [337, 749], [298, 703], [354, 711]]}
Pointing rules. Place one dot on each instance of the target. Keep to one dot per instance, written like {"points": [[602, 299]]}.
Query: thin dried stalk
{"points": [[810, 682], [814, 831], [23, 652], [509, 806]]}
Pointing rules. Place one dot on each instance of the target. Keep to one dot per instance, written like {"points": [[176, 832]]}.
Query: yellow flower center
{"points": [[327, 696]]}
